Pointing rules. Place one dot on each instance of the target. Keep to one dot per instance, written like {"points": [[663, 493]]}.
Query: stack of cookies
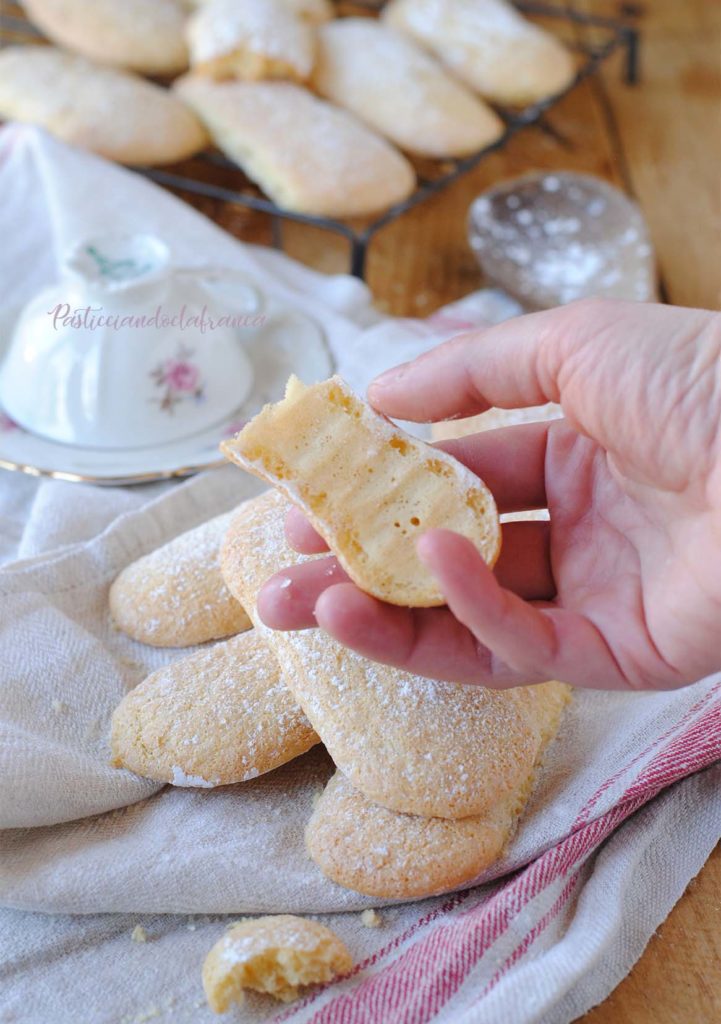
{"points": [[431, 776], [315, 109]]}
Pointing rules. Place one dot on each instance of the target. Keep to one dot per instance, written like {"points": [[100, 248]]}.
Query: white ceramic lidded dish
{"points": [[128, 351]]}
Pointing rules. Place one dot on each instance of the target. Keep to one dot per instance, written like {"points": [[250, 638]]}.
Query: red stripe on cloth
{"points": [[585, 812], [697, 747], [454, 901], [414, 988], [539, 927]]}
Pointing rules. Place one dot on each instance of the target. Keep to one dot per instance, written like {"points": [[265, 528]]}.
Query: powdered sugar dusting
{"points": [[179, 778], [380, 724], [265, 28], [176, 595], [220, 716]]}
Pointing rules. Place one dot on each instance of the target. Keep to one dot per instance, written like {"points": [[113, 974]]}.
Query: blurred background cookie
{"points": [[143, 35], [313, 11], [306, 154], [400, 91], [112, 112], [489, 45], [250, 40]]}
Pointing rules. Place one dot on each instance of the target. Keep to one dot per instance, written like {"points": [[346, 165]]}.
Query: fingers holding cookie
{"points": [[289, 599]]}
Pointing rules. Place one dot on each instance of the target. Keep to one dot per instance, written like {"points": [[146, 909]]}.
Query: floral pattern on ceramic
{"points": [[286, 342], [179, 379], [6, 424], [117, 354]]}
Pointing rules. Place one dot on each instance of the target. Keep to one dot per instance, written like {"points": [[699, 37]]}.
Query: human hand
{"points": [[622, 588]]}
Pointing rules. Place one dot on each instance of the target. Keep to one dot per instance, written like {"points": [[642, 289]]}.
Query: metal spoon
{"points": [[550, 238]]}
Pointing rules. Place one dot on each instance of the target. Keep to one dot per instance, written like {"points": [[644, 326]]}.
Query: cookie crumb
{"points": [[150, 1014], [59, 708], [139, 934], [279, 955], [371, 918]]}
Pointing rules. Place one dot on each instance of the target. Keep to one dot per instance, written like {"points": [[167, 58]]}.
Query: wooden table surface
{"points": [[661, 142]]}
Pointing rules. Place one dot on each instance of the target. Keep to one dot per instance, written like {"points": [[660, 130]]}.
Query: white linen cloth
{"points": [[82, 838]]}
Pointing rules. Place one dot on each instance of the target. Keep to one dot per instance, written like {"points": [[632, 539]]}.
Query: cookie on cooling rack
{"points": [[488, 45], [250, 40], [114, 113], [307, 155], [399, 90], [315, 12], [142, 35]]}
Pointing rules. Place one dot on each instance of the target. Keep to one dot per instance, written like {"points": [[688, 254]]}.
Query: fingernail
{"points": [[390, 377], [276, 588]]}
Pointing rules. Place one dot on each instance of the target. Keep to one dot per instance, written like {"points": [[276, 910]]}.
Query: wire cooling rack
{"points": [[610, 36]]}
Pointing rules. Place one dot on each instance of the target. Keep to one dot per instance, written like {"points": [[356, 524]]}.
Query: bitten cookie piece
{"points": [[391, 84], [142, 35], [411, 744], [368, 488], [378, 852], [250, 40], [111, 112], [307, 155], [277, 955], [176, 595], [487, 44], [220, 716]]}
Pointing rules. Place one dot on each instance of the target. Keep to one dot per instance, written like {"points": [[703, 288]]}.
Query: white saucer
{"points": [[288, 342]]}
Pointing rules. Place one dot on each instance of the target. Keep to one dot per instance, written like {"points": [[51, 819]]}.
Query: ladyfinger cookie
{"points": [[306, 154], [389, 82], [141, 35], [176, 596], [250, 40], [411, 744], [488, 45], [111, 112], [278, 955], [367, 487], [382, 853], [220, 716]]}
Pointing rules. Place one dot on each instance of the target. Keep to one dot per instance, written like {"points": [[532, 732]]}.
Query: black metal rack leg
{"points": [[632, 41], [358, 253]]}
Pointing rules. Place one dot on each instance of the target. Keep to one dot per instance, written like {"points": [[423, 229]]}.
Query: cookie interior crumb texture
{"points": [[367, 487], [277, 955]]}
